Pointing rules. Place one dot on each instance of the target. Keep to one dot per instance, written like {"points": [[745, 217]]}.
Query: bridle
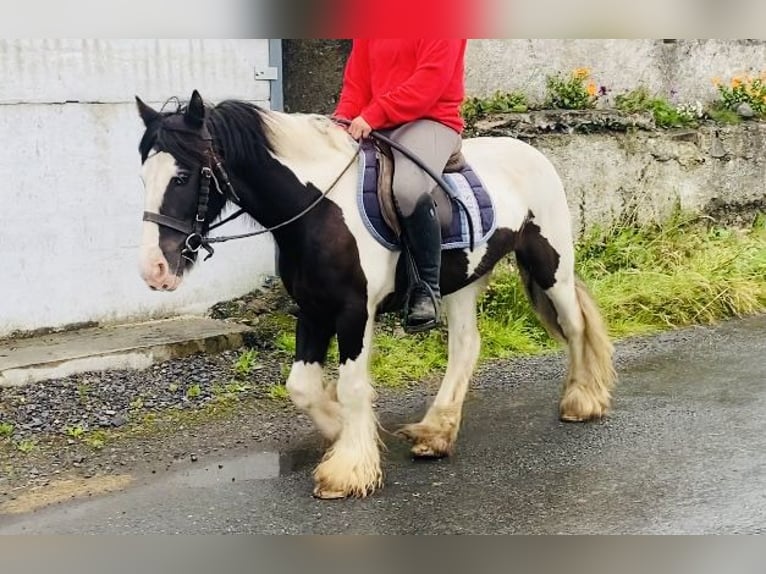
{"points": [[214, 170]]}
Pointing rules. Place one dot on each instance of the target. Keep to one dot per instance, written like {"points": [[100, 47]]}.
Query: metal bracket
{"points": [[268, 73]]}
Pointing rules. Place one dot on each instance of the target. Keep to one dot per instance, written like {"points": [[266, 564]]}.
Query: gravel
{"points": [[112, 399]]}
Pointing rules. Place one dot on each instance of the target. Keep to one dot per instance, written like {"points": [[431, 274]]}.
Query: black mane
{"points": [[238, 130]]}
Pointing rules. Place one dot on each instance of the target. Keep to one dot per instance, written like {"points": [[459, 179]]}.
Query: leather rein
{"points": [[195, 240], [193, 229]]}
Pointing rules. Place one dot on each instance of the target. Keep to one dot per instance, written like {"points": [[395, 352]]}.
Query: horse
{"points": [[295, 174]]}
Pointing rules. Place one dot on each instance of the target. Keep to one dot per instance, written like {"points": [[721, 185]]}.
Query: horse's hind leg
{"points": [[307, 391], [436, 434], [569, 313], [587, 391]]}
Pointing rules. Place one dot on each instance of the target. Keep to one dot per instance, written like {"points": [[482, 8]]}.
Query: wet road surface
{"points": [[683, 452]]}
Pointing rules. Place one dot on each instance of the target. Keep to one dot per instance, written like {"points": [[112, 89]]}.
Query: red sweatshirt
{"points": [[394, 81]]}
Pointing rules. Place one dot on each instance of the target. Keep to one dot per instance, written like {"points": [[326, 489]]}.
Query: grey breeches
{"points": [[433, 143]]}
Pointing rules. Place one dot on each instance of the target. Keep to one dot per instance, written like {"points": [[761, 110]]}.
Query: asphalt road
{"points": [[683, 452]]}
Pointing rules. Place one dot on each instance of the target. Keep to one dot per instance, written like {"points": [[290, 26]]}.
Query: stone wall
{"points": [[615, 167], [611, 166]]}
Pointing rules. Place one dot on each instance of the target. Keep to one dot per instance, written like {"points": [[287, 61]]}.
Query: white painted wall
{"points": [[71, 195]]}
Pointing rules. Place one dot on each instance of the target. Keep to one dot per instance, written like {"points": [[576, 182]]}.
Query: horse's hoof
{"points": [[427, 442], [328, 494], [340, 476], [426, 451], [579, 405]]}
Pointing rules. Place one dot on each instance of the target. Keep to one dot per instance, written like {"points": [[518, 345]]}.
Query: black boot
{"points": [[422, 244]]}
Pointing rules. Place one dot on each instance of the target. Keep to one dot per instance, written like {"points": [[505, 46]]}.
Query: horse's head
{"points": [[181, 201]]}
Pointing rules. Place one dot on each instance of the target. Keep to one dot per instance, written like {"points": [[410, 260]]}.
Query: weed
{"points": [[193, 392], [246, 363], [75, 432], [278, 392], [6, 429], [666, 115], [474, 109], [83, 390], [95, 439], [26, 445], [720, 113], [236, 387], [744, 89], [285, 341], [573, 92]]}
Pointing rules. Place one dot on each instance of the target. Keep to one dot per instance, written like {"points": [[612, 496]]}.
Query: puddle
{"points": [[255, 466]]}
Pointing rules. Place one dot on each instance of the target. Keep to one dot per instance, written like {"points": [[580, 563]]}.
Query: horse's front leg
{"points": [[351, 466], [305, 385]]}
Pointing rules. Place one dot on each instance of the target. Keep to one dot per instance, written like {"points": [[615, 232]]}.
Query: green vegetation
{"points": [[574, 91], [577, 91], [666, 115], [75, 432], [500, 102], [277, 392], [645, 279], [744, 89], [26, 446], [246, 363], [96, 439], [6, 429]]}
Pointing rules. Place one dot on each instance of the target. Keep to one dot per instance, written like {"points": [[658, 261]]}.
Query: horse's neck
{"points": [[312, 146], [280, 188], [309, 153]]}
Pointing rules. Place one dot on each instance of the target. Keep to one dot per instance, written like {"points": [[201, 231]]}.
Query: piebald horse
{"points": [[296, 175]]}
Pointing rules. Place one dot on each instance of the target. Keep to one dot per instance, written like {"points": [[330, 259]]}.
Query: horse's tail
{"points": [[598, 348], [575, 320], [541, 304]]}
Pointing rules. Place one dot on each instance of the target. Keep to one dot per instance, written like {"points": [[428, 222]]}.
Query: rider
{"points": [[410, 90]]}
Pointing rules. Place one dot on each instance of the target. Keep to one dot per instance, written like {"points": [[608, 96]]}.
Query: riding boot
{"points": [[421, 234]]}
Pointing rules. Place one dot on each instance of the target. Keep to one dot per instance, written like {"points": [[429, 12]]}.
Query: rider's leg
{"points": [[433, 143]]}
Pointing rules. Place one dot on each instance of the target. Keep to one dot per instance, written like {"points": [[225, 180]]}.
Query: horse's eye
{"points": [[181, 179]]}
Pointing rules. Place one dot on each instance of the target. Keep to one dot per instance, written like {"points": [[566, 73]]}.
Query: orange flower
{"points": [[736, 82], [581, 73], [591, 89]]}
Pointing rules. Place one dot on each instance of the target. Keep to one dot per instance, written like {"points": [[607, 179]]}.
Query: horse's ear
{"points": [[148, 115], [195, 112]]}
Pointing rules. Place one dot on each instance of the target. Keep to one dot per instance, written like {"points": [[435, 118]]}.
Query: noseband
{"points": [[193, 229]]}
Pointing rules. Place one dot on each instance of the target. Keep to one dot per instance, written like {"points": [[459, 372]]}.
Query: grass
{"points": [[646, 279], [673, 275], [26, 446], [277, 392], [6, 429], [246, 363], [666, 114]]}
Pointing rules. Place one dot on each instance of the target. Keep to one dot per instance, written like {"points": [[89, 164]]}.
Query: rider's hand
{"points": [[359, 128]]}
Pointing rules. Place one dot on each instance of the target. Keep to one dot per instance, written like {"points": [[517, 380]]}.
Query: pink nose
{"points": [[157, 276]]}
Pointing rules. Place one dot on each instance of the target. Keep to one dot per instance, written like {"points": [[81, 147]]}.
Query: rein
{"points": [[195, 240]]}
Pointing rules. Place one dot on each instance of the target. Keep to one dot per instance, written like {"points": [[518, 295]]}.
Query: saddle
{"points": [[388, 210]]}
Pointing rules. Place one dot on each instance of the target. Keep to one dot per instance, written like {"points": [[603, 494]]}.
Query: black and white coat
{"points": [[341, 277]]}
